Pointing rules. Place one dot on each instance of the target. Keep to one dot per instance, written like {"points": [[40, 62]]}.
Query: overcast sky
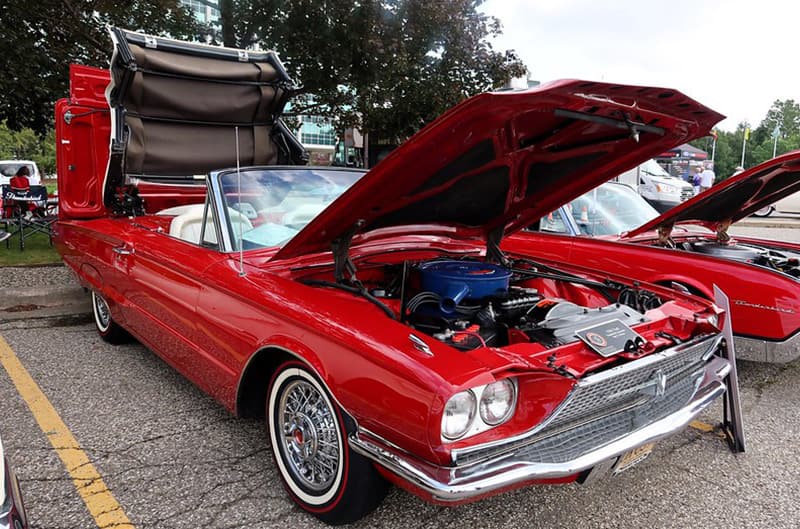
{"points": [[735, 56]]}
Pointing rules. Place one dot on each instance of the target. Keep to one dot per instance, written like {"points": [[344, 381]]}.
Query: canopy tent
{"points": [[686, 152]]}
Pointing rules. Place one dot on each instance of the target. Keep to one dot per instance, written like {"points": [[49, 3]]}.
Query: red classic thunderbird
{"points": [[371, 317], [689, 247]]}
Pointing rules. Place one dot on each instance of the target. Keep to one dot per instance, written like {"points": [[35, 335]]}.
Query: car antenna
{"points": [[239, 200]]}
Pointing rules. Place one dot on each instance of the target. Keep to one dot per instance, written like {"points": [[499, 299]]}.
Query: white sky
{"points": [[736, 57]]}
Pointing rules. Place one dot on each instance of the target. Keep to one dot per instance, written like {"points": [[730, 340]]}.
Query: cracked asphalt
{"points": [[174, 458]]}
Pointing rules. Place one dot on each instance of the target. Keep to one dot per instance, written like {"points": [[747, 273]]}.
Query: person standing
{"points": [[696, 178], [707, 178]]}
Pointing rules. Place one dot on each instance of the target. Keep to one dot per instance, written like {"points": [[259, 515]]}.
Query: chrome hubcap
{"points": [[101, 309], [309, 436]]}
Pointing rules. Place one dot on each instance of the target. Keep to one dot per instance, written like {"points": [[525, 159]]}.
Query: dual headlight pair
{"points": [[492, 404]]}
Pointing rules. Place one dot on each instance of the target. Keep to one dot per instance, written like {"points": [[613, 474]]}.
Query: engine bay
{"points": [[781, 260], [471, 303]]}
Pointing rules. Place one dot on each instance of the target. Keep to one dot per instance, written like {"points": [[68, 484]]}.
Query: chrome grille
{"points": [[686, 194], [608, 405]]}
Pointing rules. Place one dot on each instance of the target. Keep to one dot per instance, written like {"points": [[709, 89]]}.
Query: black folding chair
{"points": [[26, 220]]}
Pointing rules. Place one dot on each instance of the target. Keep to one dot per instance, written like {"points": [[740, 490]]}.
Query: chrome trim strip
{"points": [[757, 350], [654, 358], [449, 484]]}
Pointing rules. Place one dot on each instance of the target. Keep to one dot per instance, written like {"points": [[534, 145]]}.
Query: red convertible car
{"points": [[371, 317], [689, 247]]}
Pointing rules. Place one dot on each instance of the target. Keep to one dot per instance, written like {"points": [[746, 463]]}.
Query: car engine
{"points": [[784, 261], [470, 304]]}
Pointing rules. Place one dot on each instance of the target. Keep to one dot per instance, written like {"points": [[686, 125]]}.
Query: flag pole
{"points": [[714, 149], [775, 134], [744, 143]]}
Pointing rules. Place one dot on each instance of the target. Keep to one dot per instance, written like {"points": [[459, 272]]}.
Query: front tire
{"points": [[308, 434], [107, 328]]}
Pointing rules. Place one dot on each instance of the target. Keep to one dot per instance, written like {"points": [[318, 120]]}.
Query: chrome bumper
{"points": [[458, 483], [765, 351], [12, 512]]}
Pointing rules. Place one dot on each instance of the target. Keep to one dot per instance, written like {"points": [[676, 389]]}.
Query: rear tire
{"points": [[308, 434], [107, 328], [764, 212]]}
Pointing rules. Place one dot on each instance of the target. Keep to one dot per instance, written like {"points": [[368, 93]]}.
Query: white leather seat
{"points": [[187, 225]]}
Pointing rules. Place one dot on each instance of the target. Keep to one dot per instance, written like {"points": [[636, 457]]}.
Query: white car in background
{"points": [[8, 168]]}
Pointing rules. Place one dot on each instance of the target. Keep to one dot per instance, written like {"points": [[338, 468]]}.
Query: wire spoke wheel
{"points": [[102, 313], [310, 440], [308, 432], [107, 328]]}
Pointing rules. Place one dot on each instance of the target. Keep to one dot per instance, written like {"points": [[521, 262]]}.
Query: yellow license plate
{"points": [[633, 457]]}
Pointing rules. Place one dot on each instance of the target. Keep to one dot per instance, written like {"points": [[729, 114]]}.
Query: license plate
{"points": [[633, 457]]}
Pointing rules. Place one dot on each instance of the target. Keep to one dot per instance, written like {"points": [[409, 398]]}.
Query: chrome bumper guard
{"points": [[521, 464]]}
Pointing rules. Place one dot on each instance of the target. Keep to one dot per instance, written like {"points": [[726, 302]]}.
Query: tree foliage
{"points": [[759, 147], [26, 145], [42, 38], [388, 66]]}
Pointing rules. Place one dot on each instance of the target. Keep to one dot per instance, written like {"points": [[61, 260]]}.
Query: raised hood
{"points": [[176, 108], [500, 160], [735, 198]]}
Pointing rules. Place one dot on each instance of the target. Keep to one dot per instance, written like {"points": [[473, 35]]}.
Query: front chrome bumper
{"points": [[766, 351], [463, 482]]}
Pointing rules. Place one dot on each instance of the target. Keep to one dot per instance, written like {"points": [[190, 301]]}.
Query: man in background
{"points": [[707, 178]]}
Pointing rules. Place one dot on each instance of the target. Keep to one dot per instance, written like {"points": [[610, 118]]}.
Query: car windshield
{"points": [[10, 169], [610, 209], [267, 207]]}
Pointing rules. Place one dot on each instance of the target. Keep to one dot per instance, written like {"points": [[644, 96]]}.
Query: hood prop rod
{"points": [[341, 256], [493, 251]]}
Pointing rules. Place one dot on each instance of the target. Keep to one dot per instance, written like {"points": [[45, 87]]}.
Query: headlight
{"points": [[666, 188], [458, 414], [497, 401]]}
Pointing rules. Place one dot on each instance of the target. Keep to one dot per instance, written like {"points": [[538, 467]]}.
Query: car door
{"points": [[164, 279]]}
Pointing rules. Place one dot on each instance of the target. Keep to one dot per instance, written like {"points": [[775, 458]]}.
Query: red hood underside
{"points": [[500, 160]]}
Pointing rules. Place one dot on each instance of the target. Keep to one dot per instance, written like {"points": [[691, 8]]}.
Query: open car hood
{"points": [[735, 198], [498, 161], [179, 109]]}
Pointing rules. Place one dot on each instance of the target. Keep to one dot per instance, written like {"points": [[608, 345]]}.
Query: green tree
{"points": [[24, 144], [785, 115], [387, 66], [41, 39]]}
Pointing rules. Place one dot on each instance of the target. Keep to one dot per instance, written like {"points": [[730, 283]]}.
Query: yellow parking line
{"points": [[102, 505], [702, 426]]}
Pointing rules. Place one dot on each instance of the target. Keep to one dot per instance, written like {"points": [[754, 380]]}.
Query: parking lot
{"points": [[173, 458], [168, 456]]}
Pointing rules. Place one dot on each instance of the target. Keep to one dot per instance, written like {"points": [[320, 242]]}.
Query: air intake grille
{"points": [[607, 406]]}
